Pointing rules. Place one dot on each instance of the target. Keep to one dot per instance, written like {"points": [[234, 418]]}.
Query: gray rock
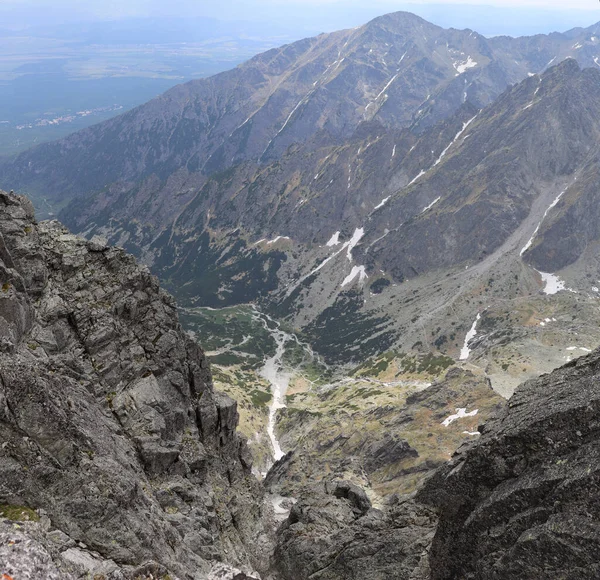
{"points": [[99, 397], [327, 537], [22, 557], [523, 501]]}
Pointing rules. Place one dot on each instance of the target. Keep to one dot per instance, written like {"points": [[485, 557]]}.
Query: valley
{"points": [[380, 244]]}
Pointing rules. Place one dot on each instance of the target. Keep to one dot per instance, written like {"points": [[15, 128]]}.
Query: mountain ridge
{"points": [[276, 108]]}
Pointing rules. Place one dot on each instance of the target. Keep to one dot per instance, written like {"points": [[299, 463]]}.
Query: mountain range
{"points": [[377, 234]]}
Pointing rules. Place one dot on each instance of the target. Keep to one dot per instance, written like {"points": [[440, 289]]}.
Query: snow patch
{"points": [[349, 246], [356, 237], [431, 204], [382, 203], [334, 240], [466, 351], [460, 413], [463, 66], [553, 283], [356, 271]]}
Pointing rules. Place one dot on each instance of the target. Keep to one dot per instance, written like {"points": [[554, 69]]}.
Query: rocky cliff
{"points": [[110, 428], [523, 502]]}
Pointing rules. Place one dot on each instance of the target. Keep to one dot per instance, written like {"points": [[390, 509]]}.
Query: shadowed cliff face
{"points": [[523, 502], [108, 419]]}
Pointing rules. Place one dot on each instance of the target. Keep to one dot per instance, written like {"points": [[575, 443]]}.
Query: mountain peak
{"points": [[401, 20], [567, 66]]}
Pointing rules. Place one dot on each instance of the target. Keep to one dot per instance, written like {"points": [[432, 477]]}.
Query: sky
{"points": [[513, 17]]}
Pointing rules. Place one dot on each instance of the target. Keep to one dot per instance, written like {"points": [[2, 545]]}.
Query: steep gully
{"points": [[275, 372]]}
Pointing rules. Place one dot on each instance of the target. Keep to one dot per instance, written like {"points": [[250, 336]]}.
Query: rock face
{"points": [[23, 556], [523, 502], [332, 533], [108, 419]]}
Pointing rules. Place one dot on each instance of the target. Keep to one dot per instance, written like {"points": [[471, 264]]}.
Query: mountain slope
{"points": [[399, 70], [434, 229], [408, 229]]}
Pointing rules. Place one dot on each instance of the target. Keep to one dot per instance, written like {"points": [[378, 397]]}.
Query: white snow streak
{"points": [[431, 204], [465, 125], [277, 239], [537, 229], [291, 114], [394, 152], [460, 413], [387, 86], [356, 271], [420, 174], [382, 203], [466, 351], [443, 153]]}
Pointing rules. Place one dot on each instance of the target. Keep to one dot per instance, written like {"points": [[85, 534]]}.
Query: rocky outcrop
{"points": [[108, 418], [332, 532], [523, 502]]}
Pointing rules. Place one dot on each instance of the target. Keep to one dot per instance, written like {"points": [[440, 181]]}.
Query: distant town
{"points": [[45, 122]]}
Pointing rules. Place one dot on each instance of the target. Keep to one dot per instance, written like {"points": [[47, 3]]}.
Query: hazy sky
{"points": [[499, 16]]}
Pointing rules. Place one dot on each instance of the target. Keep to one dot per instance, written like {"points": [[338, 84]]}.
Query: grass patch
{"points": [[260, 398], [18, 513]]}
